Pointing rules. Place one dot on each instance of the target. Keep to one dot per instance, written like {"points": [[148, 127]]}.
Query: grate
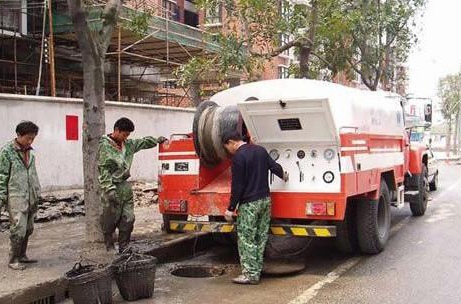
{"points": [[46, 300]]}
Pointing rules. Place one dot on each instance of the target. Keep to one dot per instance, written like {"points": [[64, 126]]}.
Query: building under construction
{"points": [[40, 56]]}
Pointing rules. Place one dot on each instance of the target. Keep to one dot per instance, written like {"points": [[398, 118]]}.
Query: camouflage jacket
{"points": [[18, 180], [115, 164]]}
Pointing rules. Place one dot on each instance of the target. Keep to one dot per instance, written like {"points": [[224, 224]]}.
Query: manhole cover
{"points": [[197, 271]]}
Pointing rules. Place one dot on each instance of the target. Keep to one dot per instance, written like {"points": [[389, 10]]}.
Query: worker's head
{"points": [[232, 141], [122, 129], [26, 132]]}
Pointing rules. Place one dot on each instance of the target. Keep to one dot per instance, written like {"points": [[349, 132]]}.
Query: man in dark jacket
{"points": [[250, 191]]}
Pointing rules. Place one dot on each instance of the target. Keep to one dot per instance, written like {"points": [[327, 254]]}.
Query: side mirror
{"points": [[428, 113]]}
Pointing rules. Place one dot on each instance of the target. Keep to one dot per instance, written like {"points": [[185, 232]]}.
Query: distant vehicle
{"points": [[423, 137]]}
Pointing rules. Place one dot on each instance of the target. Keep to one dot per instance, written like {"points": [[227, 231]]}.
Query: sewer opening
{"points": [[197, 271]]}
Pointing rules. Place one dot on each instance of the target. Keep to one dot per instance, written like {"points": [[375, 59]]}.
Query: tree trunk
{"points": [[93, 129], [455, 136], [448, 141], [93, 46], [194, 93], [305, 52]]}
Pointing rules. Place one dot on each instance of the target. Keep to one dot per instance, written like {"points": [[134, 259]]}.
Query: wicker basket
{"points": [[135, 278], [93, 286]]}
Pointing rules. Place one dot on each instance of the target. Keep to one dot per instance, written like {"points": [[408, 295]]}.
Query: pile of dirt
{"points": [[55, 206], [145, 194]]}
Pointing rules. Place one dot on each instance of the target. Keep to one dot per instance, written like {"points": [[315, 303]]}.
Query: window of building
{"points": [[170, 10], [191, 18], [10, 15], [170, 84], [283, 72], [284, 39], [213, 15]]}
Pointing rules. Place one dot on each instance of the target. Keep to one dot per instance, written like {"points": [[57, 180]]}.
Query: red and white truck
{"points": [[347, 152]]}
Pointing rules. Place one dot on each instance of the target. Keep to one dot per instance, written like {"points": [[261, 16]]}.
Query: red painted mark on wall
{"points": [[71, 127]]}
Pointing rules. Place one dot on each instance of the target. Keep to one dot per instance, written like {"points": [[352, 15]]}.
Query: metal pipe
{"points": [[51, 46]]}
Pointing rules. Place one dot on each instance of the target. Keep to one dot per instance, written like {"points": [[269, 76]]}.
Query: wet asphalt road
{"points": [[421, 264]]}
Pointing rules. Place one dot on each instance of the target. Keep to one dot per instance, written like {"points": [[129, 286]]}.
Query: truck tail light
{"points": [[313, 208], [176, 206]]}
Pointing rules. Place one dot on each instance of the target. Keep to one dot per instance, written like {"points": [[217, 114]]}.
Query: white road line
{"points": [[312, 291]]}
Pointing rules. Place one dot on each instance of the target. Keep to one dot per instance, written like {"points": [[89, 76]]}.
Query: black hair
{"points": [[231, 135], [26, 127], [124, 125]]}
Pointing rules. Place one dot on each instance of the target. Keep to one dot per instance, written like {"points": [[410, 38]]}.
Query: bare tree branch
{"points": [[294, 43], [110, 16], [82, 29]]}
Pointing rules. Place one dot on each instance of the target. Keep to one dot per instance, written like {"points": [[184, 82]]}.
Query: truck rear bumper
{"points": [[275, 229]]}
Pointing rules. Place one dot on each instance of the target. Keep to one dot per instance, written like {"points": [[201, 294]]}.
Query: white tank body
{"points": [[368, 112]]}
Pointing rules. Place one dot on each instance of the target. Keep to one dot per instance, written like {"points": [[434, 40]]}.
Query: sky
{"points": [[438, 52]]}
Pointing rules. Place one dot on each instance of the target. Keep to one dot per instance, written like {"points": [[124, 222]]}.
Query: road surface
{"points": [[421, 264]]}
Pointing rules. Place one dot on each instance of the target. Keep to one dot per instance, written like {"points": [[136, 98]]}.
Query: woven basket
{"points": [[92, 287], [135, 279]]}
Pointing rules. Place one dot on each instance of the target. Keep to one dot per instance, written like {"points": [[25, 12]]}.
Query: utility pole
{"points": [[51, 46]]}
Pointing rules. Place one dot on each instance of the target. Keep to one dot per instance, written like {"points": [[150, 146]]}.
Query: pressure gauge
{"points": [[274, 153], [301, 154], [314, 153], [287, 153], [329, 154], [328, 177]]}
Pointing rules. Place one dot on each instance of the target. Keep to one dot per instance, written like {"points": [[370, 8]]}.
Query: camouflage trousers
{"points": [[119, 215], [253, 223], [22, 214]]}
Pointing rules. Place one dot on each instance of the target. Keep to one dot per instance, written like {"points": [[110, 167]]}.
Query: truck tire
{"points": [[418, 203], [433, 185], [346, 231], [168, 217], [374, 222]]}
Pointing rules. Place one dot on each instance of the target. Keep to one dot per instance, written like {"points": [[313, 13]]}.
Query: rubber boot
{"points": [[23, 256], [123, 240], [109, 241], [14, 253]]}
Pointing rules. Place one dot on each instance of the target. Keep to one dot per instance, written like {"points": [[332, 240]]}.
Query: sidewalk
{"points": [[443, 156], [59, 245]]}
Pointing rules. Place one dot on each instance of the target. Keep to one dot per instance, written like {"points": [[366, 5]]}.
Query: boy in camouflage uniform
{"points": [[250, 191], [116, 153], [19, 191]]}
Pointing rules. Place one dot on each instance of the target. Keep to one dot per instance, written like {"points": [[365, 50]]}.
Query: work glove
{"points": [[285, 176], [228, 215], [162, 139], [112, 197]]}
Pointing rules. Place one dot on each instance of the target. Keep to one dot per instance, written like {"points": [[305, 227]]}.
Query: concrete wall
{"points": [[59, 161]]}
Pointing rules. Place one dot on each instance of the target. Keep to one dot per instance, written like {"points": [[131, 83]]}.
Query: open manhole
{"points": [[197, 271]]}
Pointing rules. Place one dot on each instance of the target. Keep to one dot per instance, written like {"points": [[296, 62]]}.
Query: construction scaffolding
{"points": [[40, 52]]}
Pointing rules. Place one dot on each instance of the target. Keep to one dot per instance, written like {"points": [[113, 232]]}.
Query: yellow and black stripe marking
{"points": [[296, 230]]}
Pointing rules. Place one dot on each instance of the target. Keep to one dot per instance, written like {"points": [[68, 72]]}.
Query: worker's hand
{"points": [[162, 139], [112, 197], [285, 176], [228, 215]]}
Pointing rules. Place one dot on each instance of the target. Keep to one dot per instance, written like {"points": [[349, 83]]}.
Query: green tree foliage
{"points": [[379, 34], [329, 36], [449, 92]]}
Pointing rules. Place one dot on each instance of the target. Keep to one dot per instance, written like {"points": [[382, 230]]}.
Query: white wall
{"points": [[59, 161]]}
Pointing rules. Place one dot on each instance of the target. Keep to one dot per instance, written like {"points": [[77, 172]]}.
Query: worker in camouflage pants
{"points": [[116, 154], [20, 191], [250, 192]]}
